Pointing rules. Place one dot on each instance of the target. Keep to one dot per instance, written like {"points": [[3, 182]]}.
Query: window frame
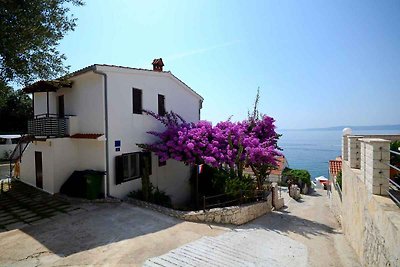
{"points": [[136, 92], [161, 108], [120, 166], [129, 169]]}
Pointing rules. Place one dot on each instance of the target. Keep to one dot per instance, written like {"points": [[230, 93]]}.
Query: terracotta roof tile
{"points": [[281, 160], [335, 166], [281, 166], [85, 136]]}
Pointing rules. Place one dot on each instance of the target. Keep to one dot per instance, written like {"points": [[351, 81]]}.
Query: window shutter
{"points": [[161, 105], [137, 101], [119, 174], [144, 155]]}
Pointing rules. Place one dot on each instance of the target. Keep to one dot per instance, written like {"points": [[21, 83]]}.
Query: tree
{"points": [[15, 110], [30, 31], [263, 125], [232, 144]]}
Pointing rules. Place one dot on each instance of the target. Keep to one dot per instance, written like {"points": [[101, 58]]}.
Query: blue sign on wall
{"points": [[117, 143]]}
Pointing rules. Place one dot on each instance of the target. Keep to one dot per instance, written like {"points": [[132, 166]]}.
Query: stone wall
{"points": [[236, 215], [335, 202], [370, 222]]}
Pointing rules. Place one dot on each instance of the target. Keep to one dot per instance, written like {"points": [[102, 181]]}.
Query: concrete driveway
{"points": [[112, 234], [99, 234], [22, 205]]}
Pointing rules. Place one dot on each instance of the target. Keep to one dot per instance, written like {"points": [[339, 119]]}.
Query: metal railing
{"points": [[394, 185], [338, 189], [237, 198], [48, 125]]}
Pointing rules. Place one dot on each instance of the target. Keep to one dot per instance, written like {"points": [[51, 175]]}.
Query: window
{"points": [[131, 166], [137, 101], [161, 105], [161, 163]]}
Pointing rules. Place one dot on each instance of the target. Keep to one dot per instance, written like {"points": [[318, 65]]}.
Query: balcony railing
{"points": [[49, 125], [394, 187]]}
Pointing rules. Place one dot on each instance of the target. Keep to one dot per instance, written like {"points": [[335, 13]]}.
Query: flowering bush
{"points": [[252, 142]]}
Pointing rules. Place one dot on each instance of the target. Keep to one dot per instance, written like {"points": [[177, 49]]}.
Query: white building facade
{"points": [[94, 121]]}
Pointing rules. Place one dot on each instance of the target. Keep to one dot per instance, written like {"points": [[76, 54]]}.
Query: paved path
{"points": [[311, 222], [22, 205], [237, 248], [305, 234]]}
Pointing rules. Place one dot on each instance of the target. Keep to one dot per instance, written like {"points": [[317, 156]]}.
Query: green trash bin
{"points": [[93, 184]]}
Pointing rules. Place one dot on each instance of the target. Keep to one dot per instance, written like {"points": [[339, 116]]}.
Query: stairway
{"points": [[19, 150]]}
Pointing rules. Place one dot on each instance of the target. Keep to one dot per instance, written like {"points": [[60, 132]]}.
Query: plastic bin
{"points": [[93, 184]]}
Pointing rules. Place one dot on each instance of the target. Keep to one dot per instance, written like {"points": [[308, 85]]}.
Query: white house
{"points": [[94, 120]]}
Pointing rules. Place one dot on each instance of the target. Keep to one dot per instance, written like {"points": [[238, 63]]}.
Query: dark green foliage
{"points": [[30, 31], [155, 196], [395, 159], [299, 177], [339, 179], [234, 185], [15, 110], [213, 181]]}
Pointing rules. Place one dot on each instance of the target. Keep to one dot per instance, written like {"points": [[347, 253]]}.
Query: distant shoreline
{"points": [[356, 128]]}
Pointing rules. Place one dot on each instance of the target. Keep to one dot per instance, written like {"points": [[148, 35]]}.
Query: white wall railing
{"points": [[371, 154]]}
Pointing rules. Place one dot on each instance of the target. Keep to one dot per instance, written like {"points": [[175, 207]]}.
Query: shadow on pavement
{"points": [[98, 226], [284, 222]]}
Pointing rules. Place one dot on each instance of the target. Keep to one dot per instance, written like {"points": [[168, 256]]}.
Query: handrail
{"points": [[392, 166], [51, 115], [48, 126], [394, 187], [394, 152]]}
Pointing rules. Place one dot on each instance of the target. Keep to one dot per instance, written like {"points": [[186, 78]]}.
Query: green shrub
{"points": [[339, 179], [298, 177], [215, 181], [233, 186], [156, 196]]}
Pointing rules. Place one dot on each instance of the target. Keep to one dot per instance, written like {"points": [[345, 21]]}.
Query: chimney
{"points": [[158, 64]]}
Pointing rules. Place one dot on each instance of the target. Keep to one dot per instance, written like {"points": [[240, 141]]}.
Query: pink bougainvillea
{"points": [[233, 144]]}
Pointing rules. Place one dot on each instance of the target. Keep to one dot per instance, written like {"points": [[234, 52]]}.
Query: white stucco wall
{"points": [[131, 128], [28, 173], [60, 158], [173, 178], [40, 102], [85, 100]]}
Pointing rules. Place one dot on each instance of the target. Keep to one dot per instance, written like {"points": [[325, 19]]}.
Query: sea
{"points": [[312, 149]]}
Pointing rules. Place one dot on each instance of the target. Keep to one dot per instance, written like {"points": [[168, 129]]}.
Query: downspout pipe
{"points": [[107, 182]]}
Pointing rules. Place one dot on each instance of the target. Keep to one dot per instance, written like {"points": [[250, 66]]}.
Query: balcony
{"points": [[50, 125]]}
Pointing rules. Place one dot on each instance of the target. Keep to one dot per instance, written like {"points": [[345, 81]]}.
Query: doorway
{"points": [[39, 169], [61, 112]]}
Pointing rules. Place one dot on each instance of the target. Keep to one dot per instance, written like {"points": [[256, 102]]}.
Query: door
{"points": [[61, 112], [39, 169]]}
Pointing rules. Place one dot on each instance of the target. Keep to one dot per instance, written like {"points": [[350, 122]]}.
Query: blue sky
{"points": [[317, 63]]}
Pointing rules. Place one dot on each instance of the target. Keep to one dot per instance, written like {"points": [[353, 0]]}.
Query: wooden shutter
{"points": [[143, 156], [137, 101], [119, 170], [161, 105]]}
